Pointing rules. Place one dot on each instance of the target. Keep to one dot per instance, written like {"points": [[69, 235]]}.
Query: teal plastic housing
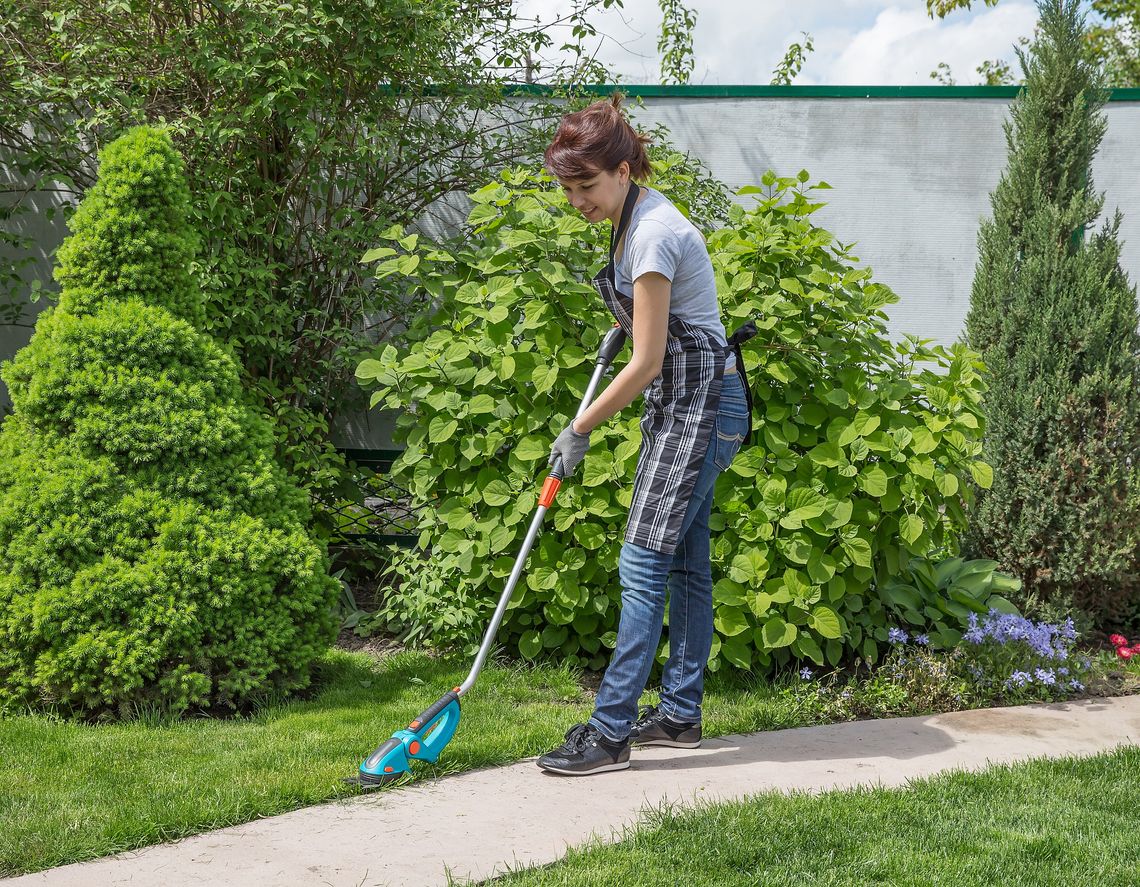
{"points": [[424, 743]]}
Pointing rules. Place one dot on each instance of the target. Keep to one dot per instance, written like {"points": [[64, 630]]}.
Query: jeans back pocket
{"points": [[730, 432]]}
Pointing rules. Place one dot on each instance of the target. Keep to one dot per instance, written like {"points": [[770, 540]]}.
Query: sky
{"points": [[856, 42]]}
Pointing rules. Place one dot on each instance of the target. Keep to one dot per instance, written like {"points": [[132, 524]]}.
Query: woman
{"points": [[660, 287]]}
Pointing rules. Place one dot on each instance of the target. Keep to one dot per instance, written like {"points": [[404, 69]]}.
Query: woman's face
{"points": [[601, 196]]}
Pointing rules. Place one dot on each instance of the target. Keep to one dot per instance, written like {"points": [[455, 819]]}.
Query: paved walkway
{"points": [[477, 823]]}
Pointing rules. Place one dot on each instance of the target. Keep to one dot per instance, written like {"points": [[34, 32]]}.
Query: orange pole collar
{"points": [[549, 491]]}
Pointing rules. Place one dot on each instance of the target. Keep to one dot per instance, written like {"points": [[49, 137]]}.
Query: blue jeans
{"points": [[687, 573]]}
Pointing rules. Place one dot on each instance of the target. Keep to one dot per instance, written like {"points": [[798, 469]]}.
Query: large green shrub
{"points": [[153, 553], [860, 461], [1056, 321]]}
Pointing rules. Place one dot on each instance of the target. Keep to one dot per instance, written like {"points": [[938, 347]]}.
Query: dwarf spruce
{"points": [[154, 556]]}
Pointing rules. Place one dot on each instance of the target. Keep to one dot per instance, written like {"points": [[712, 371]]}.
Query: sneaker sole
{"points": [[605, 768], [668, 743]]}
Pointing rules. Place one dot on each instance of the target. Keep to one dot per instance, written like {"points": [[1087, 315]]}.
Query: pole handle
{"points": [[424, 718], [612, 344], [551, 484]]}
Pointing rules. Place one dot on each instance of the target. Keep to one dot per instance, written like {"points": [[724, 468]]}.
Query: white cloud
{"points": [[864, 42], [905, 45]]}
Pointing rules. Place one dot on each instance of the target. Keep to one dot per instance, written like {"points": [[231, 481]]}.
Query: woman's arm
{"points": [[651, 293]]}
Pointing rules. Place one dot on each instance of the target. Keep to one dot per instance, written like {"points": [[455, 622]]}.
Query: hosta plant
{"points": [[942, 598], [861, 450]]}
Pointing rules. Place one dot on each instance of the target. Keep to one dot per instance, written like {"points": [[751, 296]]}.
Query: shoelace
{"points": [[577, 737]]}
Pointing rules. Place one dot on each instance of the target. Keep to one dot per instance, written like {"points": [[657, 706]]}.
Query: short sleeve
{"points": [[653, 247]]}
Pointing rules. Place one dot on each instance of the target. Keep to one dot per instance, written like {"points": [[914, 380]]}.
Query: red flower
{"points": [[1125, 653], [1118, 640]]}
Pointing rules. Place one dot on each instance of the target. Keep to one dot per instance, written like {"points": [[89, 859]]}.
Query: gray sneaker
{"points": [[654, 727]]}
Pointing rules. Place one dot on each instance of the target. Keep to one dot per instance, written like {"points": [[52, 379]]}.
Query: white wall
{"points": [[911, 181]]}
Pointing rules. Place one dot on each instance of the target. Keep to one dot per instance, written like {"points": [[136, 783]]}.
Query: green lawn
{"points": [[1046, 823], [70, 792]]}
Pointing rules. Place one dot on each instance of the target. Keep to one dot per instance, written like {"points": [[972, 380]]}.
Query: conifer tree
{"points": [[152, 554], [1055, 319]]}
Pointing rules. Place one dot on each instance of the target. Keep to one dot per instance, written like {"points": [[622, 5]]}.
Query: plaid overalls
{"points": [[679, 416]]}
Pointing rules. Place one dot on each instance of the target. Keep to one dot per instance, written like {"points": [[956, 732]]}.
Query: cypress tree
{"points": [[154, 556], [1055, 320]]}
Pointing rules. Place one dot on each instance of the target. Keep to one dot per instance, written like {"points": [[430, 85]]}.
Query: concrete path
{"points": [[479, 823]]}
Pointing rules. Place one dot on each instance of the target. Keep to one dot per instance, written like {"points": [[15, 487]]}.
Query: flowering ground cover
{"points": [[1003, 659], [1124, 650]]}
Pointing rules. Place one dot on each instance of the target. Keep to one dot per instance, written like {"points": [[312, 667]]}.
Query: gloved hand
{"points": [[571, 446]]}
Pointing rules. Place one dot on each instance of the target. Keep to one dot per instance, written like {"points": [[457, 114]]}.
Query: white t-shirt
{"points": [[661, 239]]}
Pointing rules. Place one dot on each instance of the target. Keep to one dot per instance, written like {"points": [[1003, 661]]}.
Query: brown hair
{"points": [[597, 139]]}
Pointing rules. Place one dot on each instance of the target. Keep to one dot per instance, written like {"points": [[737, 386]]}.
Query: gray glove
{"points": [[571, 446]]}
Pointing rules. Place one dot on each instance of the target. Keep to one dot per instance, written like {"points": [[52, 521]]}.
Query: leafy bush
{"points": [[155, 555], [859, 464], [424, 606]]}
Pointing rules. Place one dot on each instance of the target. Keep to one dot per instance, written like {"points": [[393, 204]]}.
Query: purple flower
{"points": [[975, 634], [1046, 640], [1018, 679], [1046, 677], [922, 639], [896, 636], [805, 673]]}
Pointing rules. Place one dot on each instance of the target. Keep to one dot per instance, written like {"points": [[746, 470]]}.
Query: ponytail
{"points": [[597, 139]]}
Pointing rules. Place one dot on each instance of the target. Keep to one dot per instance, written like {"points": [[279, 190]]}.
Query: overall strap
{"points": [[626, 214], [742, 334]]}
